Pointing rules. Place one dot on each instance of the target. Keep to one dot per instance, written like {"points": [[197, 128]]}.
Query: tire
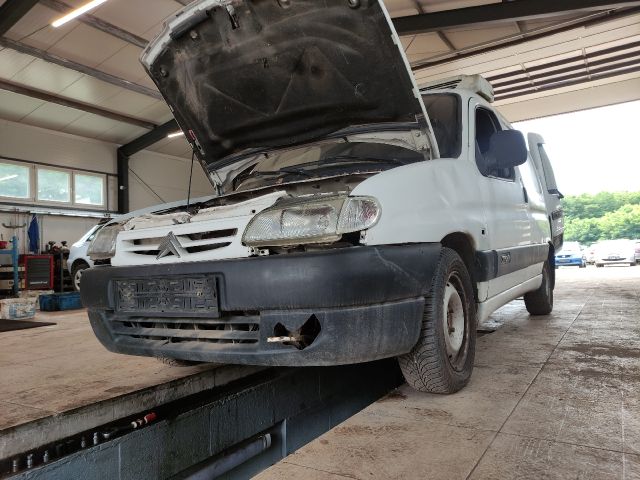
{"points": [[441, 361], [76, 273], [599, 265], [540, 302], [174, 362], [582, 265]]}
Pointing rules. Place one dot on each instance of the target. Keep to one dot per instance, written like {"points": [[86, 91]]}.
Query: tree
{"points": [[623, 223], [603, 216], [583, 230]]}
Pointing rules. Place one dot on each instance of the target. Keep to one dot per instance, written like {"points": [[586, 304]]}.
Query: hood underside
{"points": [[271, 73]]}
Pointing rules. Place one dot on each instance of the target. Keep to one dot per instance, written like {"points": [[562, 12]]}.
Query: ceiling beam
{"points": [[80, 68], [97, 23], [12, 11], [444, 39], [149, 138], [527, 36], [593, 57], [517, 10], [134, 146], [68, 102], [569, 81]]}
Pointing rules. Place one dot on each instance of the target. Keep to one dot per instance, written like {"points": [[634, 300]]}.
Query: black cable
{"points": [[193, 154]]}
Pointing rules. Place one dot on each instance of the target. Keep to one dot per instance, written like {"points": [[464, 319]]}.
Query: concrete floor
{"points": [[555, 397]]}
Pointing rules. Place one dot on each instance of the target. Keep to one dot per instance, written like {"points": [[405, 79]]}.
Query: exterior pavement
{"points": [[553, 397]]}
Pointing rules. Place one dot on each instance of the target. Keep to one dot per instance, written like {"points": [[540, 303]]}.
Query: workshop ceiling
{"points": [[84, 78]]}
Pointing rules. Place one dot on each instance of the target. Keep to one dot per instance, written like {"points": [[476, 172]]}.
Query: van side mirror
{"points": [[508, 148]]}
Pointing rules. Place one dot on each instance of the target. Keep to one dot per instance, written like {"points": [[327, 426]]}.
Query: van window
{"points": [[549, 177], [486, 125], [445, 115], [529, 178]]}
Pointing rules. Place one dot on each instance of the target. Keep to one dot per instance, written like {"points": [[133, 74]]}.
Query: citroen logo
{"points": [[169, 246]]}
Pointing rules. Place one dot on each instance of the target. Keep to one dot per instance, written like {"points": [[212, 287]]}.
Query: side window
{"points": [[529, 177], [486, 125], [549, 177]]}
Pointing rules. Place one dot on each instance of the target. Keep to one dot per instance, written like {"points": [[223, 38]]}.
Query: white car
{"points": [[358, 217], [615, 252], [78, 260]]}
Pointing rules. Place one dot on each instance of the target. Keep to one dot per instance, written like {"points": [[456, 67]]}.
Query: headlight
{"points": [[103, 245], [314, 221]]}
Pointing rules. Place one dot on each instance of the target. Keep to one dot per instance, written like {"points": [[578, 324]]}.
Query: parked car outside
{"points": [[637, 248], [616, 252], [78, 260], [572, 254], [590, 254]]}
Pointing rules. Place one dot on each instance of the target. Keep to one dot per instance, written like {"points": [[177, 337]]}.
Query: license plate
{"points": [[563, 260], [173, 296]]}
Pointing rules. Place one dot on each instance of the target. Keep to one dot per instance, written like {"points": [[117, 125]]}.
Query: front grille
{"points": [[190, 242], [237, 328]]}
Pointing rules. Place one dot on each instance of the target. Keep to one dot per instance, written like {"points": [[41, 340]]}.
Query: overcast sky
{"points": [[593, 150]]}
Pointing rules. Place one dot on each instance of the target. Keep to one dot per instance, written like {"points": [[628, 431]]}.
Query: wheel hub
{"points": [[453, 320], [76, 279]]}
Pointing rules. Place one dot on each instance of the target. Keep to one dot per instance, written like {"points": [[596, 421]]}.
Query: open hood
{"points": [[242, 74]]}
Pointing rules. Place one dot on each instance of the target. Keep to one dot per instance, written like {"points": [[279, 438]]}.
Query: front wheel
{"points": [[540, 301], [442, 360], [76, 274]]}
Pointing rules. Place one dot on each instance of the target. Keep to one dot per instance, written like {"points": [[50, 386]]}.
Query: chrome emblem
{"points": [[169, 246]]}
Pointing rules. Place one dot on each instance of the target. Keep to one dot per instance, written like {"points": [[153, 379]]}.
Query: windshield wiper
{"points": [[300, 169], [289, 170], [341, 158]]}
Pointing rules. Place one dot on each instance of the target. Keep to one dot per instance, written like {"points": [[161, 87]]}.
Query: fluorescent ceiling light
{"points": [[77, 12], [175, 134], [8, 177]]}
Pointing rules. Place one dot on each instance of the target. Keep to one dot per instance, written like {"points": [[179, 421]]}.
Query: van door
{"points": [[532, 184], [552, 195], [506, 203]]}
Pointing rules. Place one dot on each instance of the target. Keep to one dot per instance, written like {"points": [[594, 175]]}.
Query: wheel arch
{"points": [[551, 259], [463, 245], [79, 261]]}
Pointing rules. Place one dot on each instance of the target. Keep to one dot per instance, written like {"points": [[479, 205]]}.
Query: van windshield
{"points": [[445, 115], [323, 159]]}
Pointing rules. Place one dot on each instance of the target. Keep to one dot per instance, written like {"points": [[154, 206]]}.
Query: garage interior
{"points": [[551, 397]]}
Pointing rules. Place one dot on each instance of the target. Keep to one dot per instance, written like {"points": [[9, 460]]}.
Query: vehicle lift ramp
{"points": [[234, 430]]}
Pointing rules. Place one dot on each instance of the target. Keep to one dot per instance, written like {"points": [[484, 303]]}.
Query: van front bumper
{"points": [[324, 308]]}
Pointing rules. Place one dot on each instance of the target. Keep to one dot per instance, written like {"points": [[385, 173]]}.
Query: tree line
{"points": [[603, 216]]}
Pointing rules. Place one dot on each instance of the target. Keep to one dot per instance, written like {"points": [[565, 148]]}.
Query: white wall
{"points": [[165, 175], [168, 176]]}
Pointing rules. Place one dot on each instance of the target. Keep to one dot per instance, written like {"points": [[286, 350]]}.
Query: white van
{"points": [[357, 217]]}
